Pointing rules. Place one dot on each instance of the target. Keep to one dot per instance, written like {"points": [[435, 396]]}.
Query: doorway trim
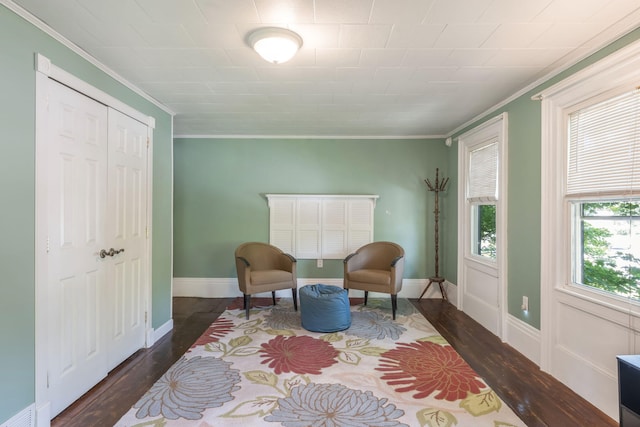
{"points": [[45, 70], [494, 127]]}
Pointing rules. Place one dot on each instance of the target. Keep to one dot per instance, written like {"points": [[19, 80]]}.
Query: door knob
{"points": [[111, 252]]}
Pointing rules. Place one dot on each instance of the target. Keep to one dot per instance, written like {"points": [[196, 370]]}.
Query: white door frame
{"points": [[495, 126], [45, 70]]}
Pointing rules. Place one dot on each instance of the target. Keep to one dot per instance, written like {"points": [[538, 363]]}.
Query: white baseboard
{"points": [[154, 335], [24, 418], [227, 287], [524, 338], [43, 414]]}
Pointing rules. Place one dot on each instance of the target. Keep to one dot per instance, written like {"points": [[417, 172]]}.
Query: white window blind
{"points": [[604, 148], [483, 173]]}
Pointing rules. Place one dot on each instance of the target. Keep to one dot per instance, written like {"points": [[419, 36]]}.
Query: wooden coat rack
{"points": [[436, 188]]}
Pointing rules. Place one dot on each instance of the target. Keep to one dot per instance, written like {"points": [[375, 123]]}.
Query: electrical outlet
{"points": [[525, 303], [319, 263]]}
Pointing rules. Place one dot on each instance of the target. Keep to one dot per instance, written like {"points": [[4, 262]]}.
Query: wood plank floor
{"points": [[536, 397]]}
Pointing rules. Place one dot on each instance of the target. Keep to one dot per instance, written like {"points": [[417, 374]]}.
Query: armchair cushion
{"points": [[379, 277], [262, 277]]}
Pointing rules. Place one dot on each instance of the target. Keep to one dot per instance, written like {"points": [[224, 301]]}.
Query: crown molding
{"points": [[400, 137]]}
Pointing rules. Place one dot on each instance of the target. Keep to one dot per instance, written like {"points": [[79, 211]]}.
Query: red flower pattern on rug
{"points": [[217, 330], [298, 354], [425, 367]]}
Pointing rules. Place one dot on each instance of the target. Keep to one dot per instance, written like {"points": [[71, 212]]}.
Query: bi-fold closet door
{"points": [[97, 255]]}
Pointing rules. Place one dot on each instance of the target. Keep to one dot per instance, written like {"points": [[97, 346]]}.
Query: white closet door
{"points": [[126, 232], [96, 201], [76, 204]]}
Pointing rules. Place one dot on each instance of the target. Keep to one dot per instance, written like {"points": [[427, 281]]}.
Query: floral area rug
{"points": [[269, 371]]}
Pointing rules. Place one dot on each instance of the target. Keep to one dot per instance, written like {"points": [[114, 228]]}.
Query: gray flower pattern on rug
{"points": [[405, 307], [334, 405], [373, 325], [282, 318], [188, 388]]}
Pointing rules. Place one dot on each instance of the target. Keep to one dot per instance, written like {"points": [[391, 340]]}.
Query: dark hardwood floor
{"points": [[536, 397]]}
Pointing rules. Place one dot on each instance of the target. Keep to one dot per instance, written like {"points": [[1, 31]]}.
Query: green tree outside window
{"points": [[604, 266]]}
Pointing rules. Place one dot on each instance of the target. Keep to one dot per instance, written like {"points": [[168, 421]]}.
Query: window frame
{"points": [[614, 74], [490, 307], [493, 131], [577, 249], [476, 239]]}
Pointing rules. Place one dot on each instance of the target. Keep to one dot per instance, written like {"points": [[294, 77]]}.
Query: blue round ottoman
{"points": [[324, 308]]}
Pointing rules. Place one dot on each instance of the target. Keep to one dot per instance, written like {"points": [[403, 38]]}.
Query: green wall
{"points": [[19, 41], [220, 186]]}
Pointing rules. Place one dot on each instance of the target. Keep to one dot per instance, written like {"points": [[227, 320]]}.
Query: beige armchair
{"points": [[376, 267], [262, 268]]}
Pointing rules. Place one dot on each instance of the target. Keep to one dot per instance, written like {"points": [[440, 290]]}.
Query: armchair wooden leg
{"points": [[394, 305], [366, 295], [247, 304], [273, 297], [294, 291]]}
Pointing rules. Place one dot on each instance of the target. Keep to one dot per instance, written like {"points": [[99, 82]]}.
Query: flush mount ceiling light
{"points": [[275, 45]]}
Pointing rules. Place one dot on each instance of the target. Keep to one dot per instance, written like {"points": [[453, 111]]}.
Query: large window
{"points": [[603, 184]]}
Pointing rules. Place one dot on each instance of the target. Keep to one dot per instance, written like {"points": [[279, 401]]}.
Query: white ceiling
{"points": [[370, 68]]}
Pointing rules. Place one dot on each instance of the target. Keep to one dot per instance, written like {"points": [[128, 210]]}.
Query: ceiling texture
{"points": [[367, 68]]}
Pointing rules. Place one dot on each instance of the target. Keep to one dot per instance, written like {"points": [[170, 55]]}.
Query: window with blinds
{"points": [[603, 189], [604, 148], [482, 199]]}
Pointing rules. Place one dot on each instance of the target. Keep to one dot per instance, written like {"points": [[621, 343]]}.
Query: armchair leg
{"points": [[294, 291], [247, 304], [394, 305], [366, 295], [273, 297]]}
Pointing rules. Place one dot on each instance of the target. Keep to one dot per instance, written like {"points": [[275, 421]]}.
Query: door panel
{"points": [[76, 203], [127, 224]]}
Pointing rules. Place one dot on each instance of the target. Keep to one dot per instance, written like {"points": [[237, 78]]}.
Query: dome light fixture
{"points": [[275, 45]]}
